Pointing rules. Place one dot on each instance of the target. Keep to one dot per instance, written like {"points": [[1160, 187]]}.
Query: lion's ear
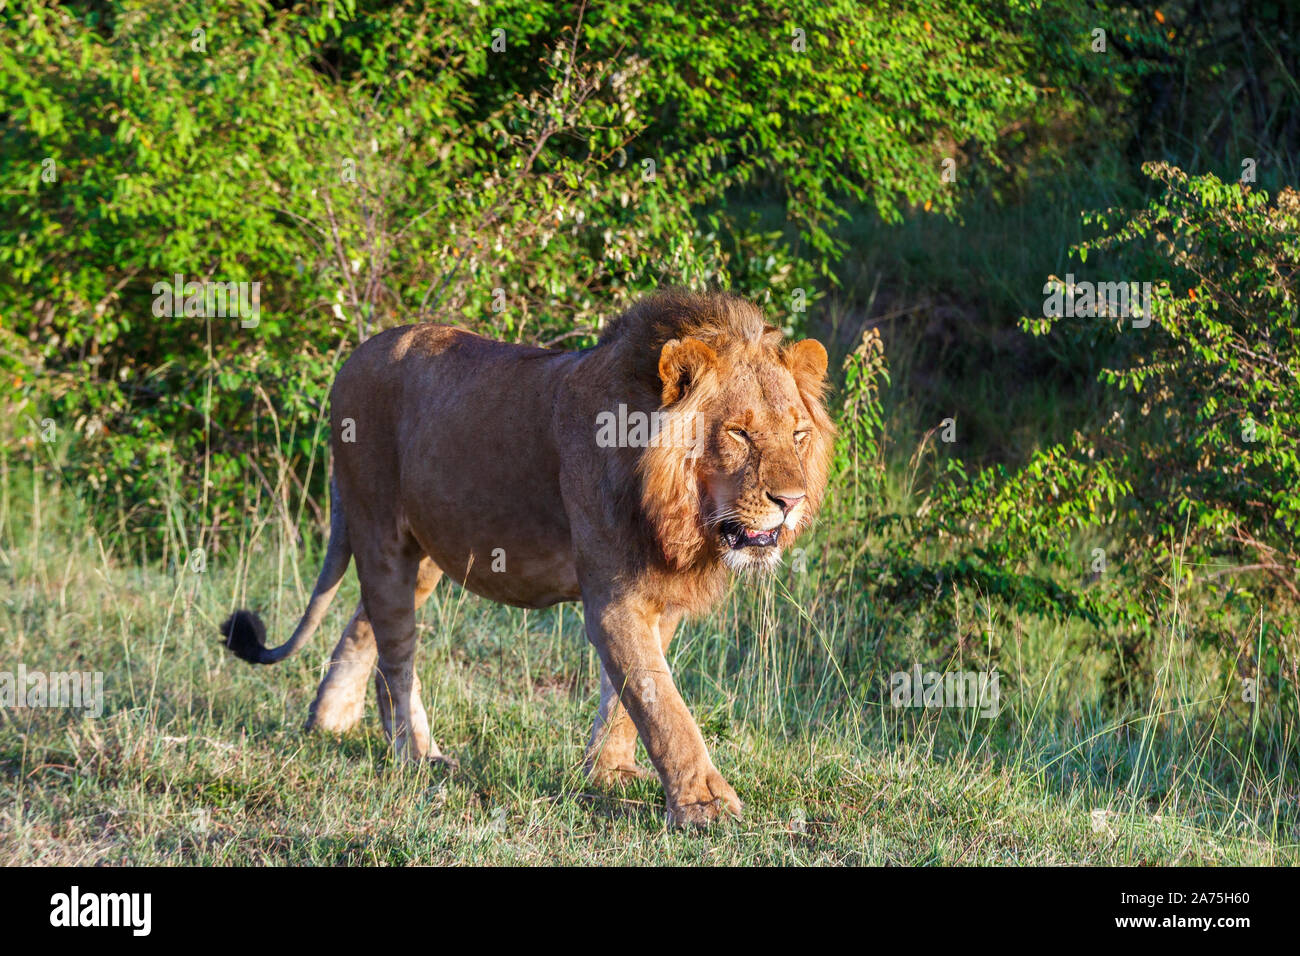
{"points": [[807, 360], [681, 363]]}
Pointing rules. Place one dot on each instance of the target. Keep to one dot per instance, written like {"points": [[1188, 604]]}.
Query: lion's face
{"points": [[763, 442], [754, 469]]}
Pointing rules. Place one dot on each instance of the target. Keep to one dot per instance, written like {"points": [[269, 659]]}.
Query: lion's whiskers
{"points": [[721, 515]]}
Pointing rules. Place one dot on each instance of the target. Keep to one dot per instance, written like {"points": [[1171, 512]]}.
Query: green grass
{"points": [[199, 759]]}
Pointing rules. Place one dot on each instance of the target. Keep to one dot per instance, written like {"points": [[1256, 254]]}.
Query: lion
{"points": [[636, 476]]}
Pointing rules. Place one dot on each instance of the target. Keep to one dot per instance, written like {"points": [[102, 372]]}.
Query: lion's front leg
{"points": [[627, 637], [611, 752]]}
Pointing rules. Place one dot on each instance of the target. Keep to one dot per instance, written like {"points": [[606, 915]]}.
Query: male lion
{"points": [[449, 446]]}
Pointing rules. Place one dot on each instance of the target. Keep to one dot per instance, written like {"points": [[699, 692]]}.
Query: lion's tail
{"points": [[244, 631]]}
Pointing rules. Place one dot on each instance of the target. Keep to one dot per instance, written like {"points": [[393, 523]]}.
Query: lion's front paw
{"points": [[608, 775], [447, 761], [701, 800]]}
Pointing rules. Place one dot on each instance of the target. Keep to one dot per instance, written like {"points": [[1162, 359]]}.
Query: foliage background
{"points": [[372, 164]]}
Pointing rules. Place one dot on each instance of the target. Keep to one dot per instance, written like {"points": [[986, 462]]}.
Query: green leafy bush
{"points": [[522, 168], [1191, 477]]}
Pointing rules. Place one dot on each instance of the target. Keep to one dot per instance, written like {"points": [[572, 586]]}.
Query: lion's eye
{"points": [[739, 434], [800, 436]]}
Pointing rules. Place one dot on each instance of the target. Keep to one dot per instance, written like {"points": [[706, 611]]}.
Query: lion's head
{"points": [[745, 465]]}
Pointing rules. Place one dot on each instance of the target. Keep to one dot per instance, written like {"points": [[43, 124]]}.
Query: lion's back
{"points": [[451, 435]]}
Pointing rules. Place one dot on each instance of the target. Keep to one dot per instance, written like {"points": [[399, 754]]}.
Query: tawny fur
{"points": [[457, 454]]}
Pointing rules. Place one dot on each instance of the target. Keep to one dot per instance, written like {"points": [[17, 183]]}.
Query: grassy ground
{"points": [[199, 758]]}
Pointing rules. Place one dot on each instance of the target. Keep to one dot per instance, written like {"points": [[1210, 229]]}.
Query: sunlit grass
{"points": [[200, 759]]}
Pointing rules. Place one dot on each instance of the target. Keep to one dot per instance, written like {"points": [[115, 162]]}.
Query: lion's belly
{"points": [[480, 478], [524, 577], [501, 537]]}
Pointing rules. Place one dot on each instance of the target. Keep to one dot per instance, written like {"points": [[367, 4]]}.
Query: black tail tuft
{"points": [[245, 636]]}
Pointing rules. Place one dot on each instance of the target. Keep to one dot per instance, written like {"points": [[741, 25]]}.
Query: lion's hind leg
{"points": [[390, 587], [341, 698]]}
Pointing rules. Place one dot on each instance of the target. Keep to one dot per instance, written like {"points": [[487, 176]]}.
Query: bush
{"points": [[1191, 477], [524, 169]]}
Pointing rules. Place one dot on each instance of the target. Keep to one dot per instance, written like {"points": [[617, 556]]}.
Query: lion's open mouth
{"points": [[736, 536]]}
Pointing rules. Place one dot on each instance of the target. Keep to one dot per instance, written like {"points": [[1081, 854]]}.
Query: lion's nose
{"points": [[787, 501]]}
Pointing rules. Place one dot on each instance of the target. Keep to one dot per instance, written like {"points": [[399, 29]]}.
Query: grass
{"points": [[198, 759]]}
